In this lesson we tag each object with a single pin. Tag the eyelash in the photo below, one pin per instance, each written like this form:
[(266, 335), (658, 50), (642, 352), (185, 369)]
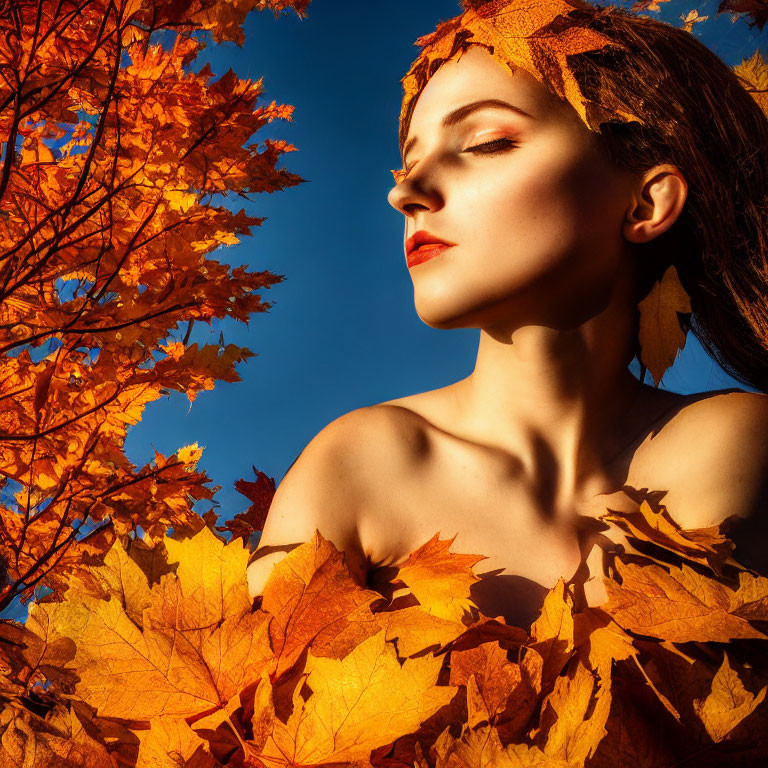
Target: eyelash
[(504, 143), (498, 145)]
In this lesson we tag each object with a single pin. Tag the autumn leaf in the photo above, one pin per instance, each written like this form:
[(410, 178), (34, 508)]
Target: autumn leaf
[(552, 633), (660, 334), (707, 546), (728, 703), (575, 715), (64, 739), (187, 657), (439, 579), (753, 73), (356, 704), (414, 630), (211, 575), (313, 599), (260, 493), (482, 748), (691, 18), (491, 680), (676, 604), (516, 34), (171, 743)]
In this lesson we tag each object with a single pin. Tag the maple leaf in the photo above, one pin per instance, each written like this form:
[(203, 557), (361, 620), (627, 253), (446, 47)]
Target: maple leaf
[(414, 630), (552, 633), (210, 575), (575, 715), (601, 641), (482, 748), (186, 658), (490, 679), (517, 34), (171, 743), (707, 546), (660, 334), (728, 703), (691, 18), (356, 704), (439, 579), (64, 739), (753, 73), (260, 493), (312, 598), (676, 604)]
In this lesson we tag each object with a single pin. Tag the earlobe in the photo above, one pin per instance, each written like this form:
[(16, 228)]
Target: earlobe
[(661, 195)]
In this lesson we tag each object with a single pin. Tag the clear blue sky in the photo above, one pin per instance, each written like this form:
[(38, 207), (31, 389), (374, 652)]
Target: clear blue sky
[(343, 332)]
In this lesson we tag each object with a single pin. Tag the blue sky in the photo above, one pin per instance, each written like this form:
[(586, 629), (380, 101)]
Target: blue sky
[(343, 332)]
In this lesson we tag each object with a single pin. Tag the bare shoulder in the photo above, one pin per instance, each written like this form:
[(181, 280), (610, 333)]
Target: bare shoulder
[(331, 482), (715, 449), (719, 421)]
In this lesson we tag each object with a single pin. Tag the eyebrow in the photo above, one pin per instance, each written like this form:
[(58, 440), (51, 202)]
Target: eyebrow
[(457, 115)]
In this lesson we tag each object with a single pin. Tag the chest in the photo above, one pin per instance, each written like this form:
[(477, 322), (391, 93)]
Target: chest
[(491, 508)]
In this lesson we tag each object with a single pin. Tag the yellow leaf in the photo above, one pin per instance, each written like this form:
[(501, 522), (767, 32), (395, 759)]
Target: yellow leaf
[(190, 454), (171, 743), (575, 715), (212, 574), (439, 579), (313, 599), (415, 630), (358, 703), (707, 546), (552, 632), (727, 704), (754, 75)]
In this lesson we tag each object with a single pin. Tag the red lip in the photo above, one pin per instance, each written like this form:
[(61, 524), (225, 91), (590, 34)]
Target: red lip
[(422, 246)]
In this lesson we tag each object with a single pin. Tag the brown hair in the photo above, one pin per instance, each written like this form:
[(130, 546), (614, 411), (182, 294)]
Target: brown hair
[(698, 116)]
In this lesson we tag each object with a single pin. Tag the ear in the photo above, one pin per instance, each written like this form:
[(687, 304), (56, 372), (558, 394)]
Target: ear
[(658, 201)]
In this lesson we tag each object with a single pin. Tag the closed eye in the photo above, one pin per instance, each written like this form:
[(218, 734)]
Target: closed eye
[(486, 148), (490, 147)]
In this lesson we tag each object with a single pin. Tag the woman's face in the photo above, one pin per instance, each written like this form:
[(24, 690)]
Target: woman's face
[(531, 206)]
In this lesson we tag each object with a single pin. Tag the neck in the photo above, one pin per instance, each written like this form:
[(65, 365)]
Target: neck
[(561, 401)]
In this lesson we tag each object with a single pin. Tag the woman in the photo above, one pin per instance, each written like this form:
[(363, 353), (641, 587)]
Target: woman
[(557, 162)]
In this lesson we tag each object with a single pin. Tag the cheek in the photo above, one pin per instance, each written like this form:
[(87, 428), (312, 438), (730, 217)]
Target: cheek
[(543, 204)]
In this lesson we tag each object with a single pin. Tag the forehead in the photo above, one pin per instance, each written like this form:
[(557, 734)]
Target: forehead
[(475, 76)]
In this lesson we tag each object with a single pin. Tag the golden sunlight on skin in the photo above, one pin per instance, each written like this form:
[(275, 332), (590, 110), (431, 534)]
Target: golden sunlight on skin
[(543, 263), (536, 217), (520, 458)]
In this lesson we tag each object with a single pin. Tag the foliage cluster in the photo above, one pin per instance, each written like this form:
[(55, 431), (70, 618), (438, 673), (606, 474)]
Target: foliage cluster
[(159, 658), (114, 154)]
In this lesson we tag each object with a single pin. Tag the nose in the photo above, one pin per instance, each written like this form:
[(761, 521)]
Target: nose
[(413, 194)]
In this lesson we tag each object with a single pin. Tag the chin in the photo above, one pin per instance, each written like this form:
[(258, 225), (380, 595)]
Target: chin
[(440, 312), (446, 315)]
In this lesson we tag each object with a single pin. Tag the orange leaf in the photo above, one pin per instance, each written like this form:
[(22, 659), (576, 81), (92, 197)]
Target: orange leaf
[(356, 704), (707, 546), (678, 604), (728, 703), (314, 600), (660, 334), (439, 579)]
